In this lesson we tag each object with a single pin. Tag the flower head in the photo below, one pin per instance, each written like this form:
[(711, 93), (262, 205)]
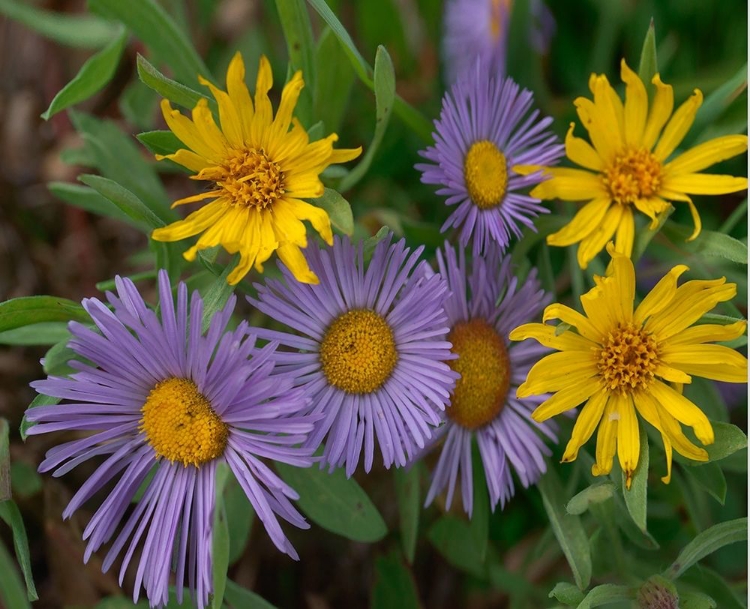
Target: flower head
[(627, 166), (617, 360), (483, 405), (260, 171), (482, 133), (370, 349), (160, 395)]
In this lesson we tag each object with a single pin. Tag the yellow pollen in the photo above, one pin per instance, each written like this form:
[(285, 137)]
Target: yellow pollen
[(486, 174), (628, 359), (634, 174), (484, 366), (251, 179), (180, 424), (358, 352)]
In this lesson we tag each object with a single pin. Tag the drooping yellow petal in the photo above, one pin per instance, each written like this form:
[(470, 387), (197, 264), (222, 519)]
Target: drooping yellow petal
[(706, 154), (628, 438), (583, 223), (581, 152), (595, 241), (678, 126), (661, 110), (653, 207), (315, 215), (636, 105), (660, 296), (585, 424), (705, 184), (213, 194), (292, 257), (287, 227), (606, 439), (189, 135), (548, 336), (683, 410)]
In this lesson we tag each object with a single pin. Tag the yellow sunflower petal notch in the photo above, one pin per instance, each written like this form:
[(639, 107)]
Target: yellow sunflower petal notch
[(259, 168), (627, 167), (618, 360)]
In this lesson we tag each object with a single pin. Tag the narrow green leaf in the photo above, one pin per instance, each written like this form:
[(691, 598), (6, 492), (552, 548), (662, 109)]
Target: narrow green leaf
[(452, 537), (93, 76), (82, 31), (717, 102), (217, 295), (169, 89), (55, 361), (39, 400), (160, 142), (5, 488), (710, 477), (295, 21), (157, 30), (335, 502), (408, 497), (708, 243), (240, 516), (10, 513), (648, 65), (45, 333), (11, 587), (636, 496), (644, 236), (596, 493), (696, 600), (240, 598), (28, 310), (338, 209), (220, 546), (25, 481), (710, 582), (334, 80), (479, 523), (707, 542), (385, 92), (394, 585), (88, 199), (605, 594), (125, 200), (566, 593), (567, 529), (138, 105)]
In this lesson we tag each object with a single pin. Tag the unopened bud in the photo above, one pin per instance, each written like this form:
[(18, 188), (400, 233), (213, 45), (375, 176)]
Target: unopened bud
[(658, 593)]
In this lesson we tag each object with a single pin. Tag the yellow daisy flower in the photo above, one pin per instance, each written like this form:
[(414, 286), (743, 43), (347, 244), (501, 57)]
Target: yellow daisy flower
[(619, 361), (627, 165), (260, 171)]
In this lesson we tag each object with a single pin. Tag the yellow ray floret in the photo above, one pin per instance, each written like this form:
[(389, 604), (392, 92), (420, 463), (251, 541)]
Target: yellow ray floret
[(259, 168), (619, 360), (627, 167)]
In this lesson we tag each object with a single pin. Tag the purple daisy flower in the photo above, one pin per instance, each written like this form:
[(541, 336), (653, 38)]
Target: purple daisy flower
[(483, 404), (371, 349), (484, 130), (162, 396)]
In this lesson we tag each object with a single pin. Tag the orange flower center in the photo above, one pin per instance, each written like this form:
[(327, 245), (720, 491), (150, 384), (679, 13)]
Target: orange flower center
[(634, 174), (484, 367), (486, 174), (628, 359), (251, 179)]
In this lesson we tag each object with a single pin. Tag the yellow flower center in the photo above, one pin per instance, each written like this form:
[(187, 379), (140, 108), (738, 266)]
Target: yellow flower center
[(252, 179), (634, 174), (496, 19), (628, 359), (484, 366), (358, 352), (486, 174), (181, 425)]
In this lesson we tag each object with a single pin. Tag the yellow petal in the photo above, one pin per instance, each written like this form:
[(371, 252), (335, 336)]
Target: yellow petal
[(636, 105), (706, 333), (292, 257), (547, 335), (606, 439), (564, 400), (609, 110), (595, 241), (653, 207), (671, 375), (186, 158), (683, 410), (239, 94), (188, 134), (585, 425), (289, 97), (342, 155), (287, 227), (628, 438), (583, 223), (705, 184), (207, 129), (304, 186), (678, 126), (570, 185), (706, 154), (660, 296), (263, 109), (315, 215), (625, 234), (314, 157), (213, 194), (559, 371), (604, 137), (715, 362), (228, 116), (572, 317), (581, 152), (661, 110), (195, 223)]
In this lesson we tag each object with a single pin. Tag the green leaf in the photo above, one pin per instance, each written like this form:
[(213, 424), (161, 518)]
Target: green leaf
[(28, 310), (696, 600), (10, 513), (220, 546), (710, 582), (82, 31), (25, 480), (93, 76), (156, 29), (125, 200), (138, 105), (707, 542), (710, 477), (240, 516), (295, 21), (385, 91), (479, 523), (394, 585), (715, 104), (11, 587), (88, 199), (5, 490), (596, 493), (240, 598), (636, 496), (334, 80), (566, 593), (606, 594), (728, 439), (335, 502), (39, 400), (45, 333), (452, 537), (169, 89), (567, 529), (408, 498), (338, 210), (648, 65), (55, 361), (217, 295), (160, 142), (708, 243), (644, 236)]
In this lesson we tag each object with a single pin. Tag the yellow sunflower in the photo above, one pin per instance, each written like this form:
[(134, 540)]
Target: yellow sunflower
[(260, 171), (627, 165), (620, 361)]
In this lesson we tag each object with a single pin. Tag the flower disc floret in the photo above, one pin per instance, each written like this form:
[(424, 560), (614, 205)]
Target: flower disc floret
[(486, 174), (628, 358), (252, 180), (633, 175)]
